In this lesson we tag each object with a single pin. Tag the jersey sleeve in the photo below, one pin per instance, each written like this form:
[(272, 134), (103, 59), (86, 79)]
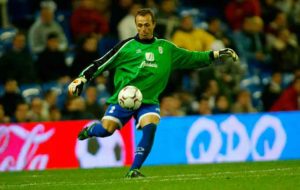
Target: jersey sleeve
[(185, 59), (107, 62)]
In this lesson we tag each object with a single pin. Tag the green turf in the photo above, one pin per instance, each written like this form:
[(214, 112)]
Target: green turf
[(279, 175)]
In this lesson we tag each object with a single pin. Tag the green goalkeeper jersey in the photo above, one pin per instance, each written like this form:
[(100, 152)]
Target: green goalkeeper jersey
[(146, 65)]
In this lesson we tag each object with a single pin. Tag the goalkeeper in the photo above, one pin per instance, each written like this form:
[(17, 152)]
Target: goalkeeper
[(145, 62)]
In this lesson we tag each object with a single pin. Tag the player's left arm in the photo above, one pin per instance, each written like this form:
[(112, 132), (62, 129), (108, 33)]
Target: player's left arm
[(183, 58)]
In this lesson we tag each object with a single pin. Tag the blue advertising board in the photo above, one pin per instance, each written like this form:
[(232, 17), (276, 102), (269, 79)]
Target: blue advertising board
[(226, 138)]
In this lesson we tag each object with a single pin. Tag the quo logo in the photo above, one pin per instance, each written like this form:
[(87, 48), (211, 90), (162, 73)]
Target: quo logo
[(247, 144)]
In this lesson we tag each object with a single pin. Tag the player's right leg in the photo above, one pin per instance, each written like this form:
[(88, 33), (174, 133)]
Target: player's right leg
[(114, 118), (103, 129)]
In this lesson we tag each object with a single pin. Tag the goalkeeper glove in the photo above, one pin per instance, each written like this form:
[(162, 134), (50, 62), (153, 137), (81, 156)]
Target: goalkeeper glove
[(76, 86), (225, 53)]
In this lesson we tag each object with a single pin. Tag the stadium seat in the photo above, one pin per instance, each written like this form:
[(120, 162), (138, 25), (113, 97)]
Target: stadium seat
[(29, 91), (6, 37)]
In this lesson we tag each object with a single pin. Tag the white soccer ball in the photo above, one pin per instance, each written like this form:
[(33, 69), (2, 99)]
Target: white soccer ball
[(130, 97)]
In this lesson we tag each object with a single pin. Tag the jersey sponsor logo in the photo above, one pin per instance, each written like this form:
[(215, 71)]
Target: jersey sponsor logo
[(150, 61), (138, 51), (147, 64)]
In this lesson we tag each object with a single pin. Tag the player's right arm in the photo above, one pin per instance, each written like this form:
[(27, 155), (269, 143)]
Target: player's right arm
[(107, 62)]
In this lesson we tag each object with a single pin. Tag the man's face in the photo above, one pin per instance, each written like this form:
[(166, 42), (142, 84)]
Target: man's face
[(145, 26), (19, 42), (47, 15)]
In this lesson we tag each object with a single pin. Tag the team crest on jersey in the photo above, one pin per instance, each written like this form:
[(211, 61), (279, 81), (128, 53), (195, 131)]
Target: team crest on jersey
[(149, 56), (160, 50), (149, 61)]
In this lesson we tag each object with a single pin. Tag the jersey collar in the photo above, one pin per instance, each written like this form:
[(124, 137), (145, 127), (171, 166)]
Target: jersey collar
[(150, 41)]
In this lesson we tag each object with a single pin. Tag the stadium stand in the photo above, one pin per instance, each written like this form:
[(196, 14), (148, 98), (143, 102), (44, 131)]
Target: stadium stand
[(252, 76)]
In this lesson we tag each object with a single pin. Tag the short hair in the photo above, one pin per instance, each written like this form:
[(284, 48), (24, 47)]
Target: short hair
[(48, 4), (144, 12)]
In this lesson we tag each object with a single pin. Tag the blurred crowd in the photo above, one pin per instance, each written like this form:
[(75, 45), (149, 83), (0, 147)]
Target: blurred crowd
[(44, 44)]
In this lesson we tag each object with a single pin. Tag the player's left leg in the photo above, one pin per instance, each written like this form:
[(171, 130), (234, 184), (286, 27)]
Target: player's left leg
[(147, 123)]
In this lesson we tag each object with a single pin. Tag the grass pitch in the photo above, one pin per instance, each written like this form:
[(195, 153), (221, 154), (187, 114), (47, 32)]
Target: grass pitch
[(257, 175)]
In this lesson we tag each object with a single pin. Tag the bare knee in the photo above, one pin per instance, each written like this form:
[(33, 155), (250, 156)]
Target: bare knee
[(149, 119), (110, 125)]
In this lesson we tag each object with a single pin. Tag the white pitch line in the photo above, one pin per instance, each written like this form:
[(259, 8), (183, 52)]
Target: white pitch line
[(179, 177), (227, 172)]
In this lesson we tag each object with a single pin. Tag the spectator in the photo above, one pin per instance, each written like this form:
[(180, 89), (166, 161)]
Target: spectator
[(289, 99), (211, 90), (17, 60), (87, 20), (152, 4), (103, 91), (92, 106), (21, 113), (279, 22), (229, 76), (272, 90), (85, 53), (3, 118), (222, 105), (43, 26), (51, 61), (204, 107), (285, 51), (11, 97), (103, 6), (294, 17), (76, 109), (167, 19), (188, 102), (54, 114), (286, 6), (243, 103), (251, 45), (36, 110), (127, 27), (50, 101), (215, 28), (191, 38), (237, 10), (170, 106), (269, 10), (119, 9)]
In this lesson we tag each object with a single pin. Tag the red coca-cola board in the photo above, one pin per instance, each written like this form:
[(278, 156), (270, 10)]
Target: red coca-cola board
[(45, 145)]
